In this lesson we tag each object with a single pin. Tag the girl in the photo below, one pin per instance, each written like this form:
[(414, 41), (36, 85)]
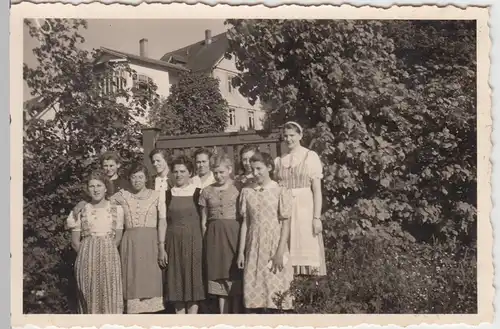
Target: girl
[(300, 170), (180, 241), (246, 176), (95, 235), (142, 277), (221, 229), (263, 251)]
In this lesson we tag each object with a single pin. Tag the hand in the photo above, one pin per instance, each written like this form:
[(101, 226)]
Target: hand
[(277, 264), (79, 207), (317, 226), (162, 257), (241, 261)]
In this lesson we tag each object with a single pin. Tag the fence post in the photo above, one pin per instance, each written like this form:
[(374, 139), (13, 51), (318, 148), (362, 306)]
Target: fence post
[(149, 137)]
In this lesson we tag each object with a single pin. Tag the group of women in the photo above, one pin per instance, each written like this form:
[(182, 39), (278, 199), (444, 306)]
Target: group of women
[(199, 231)]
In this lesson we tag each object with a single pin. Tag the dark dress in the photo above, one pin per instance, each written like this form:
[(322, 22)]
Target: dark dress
[(184, 243), (221, 240)]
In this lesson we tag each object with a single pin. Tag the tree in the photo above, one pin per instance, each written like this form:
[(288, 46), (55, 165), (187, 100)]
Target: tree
[(58, 152), (194, 106), (392, 119)]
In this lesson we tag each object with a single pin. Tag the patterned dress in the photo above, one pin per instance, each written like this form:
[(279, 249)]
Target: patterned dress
[(142, 276), (221, 240), (264, 208), (296, 172), (97, 266), (242, 181), (184, 245)]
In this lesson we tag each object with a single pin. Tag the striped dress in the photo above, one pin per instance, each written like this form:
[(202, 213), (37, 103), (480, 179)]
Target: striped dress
[(97, 266), (296, 172)]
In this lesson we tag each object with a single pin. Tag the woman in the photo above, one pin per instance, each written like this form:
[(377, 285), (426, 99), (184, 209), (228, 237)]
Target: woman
[(246, 177), (159, 158), (95, 234), (220, 225), (263, 247), (180, 241), (300, 170), (142, 277)]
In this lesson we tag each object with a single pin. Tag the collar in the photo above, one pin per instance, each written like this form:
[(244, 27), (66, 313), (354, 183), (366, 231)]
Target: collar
[(268, 186), (183, 191)]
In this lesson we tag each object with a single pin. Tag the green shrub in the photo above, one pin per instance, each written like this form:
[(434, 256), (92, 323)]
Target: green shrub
[(370, 275)]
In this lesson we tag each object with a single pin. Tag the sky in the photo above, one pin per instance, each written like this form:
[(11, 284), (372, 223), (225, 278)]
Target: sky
[(163, 35)]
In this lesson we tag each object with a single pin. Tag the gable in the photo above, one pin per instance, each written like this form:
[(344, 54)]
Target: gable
[(199, 56)]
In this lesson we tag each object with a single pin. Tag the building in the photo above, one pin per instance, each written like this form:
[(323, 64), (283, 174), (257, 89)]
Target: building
[(206, 56)]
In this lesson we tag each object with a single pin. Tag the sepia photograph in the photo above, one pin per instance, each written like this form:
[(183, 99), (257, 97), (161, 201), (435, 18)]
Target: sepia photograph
[(239, 166)]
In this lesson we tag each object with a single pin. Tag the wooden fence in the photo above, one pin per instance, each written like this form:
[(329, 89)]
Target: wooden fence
[(230, 143)]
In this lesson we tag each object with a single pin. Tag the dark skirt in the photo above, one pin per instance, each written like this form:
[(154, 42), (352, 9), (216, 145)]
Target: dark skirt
[(221, 245), (185, 282), (142, 276)]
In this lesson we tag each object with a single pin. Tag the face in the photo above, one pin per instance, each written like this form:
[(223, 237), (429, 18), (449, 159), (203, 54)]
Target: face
[(292, 138), (221, 174), (97, 189), (138, 180), (110, 167), (202, 164), (181, 175), (245, 160), (159, 163), (260, 171)]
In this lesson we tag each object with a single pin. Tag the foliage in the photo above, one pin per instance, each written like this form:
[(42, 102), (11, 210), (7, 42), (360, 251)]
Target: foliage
[(59, 151), (194, 106), (390, 108), (370, 275)]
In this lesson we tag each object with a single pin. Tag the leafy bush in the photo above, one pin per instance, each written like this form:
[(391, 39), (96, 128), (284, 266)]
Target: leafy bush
[(60, 151), (368, 275), (390, 108)]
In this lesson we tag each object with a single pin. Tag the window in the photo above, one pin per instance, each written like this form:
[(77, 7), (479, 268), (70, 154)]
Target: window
[(251, 120), (142, 81), (229, 85), (232, 117), (114, 82)]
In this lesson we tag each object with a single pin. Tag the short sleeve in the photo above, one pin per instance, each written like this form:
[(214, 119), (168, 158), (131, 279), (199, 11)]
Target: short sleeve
[(277, 162), (314, 166), (202, 201), (285, 204), (119, 218), (73, 222), (242, 204)]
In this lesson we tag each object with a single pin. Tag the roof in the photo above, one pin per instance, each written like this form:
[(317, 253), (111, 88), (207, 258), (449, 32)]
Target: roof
[(200, 56), (143, 59)]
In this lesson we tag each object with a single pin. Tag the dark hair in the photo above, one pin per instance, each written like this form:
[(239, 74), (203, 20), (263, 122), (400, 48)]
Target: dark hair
[(101, 176), (245, 149), (294, 126), (137, 167), (163, 152), (182, 160), (202, 151), (111, 155), (266, 159)]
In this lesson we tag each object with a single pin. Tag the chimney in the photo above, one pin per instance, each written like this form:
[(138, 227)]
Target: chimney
[(208, 37), (143, 47)]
